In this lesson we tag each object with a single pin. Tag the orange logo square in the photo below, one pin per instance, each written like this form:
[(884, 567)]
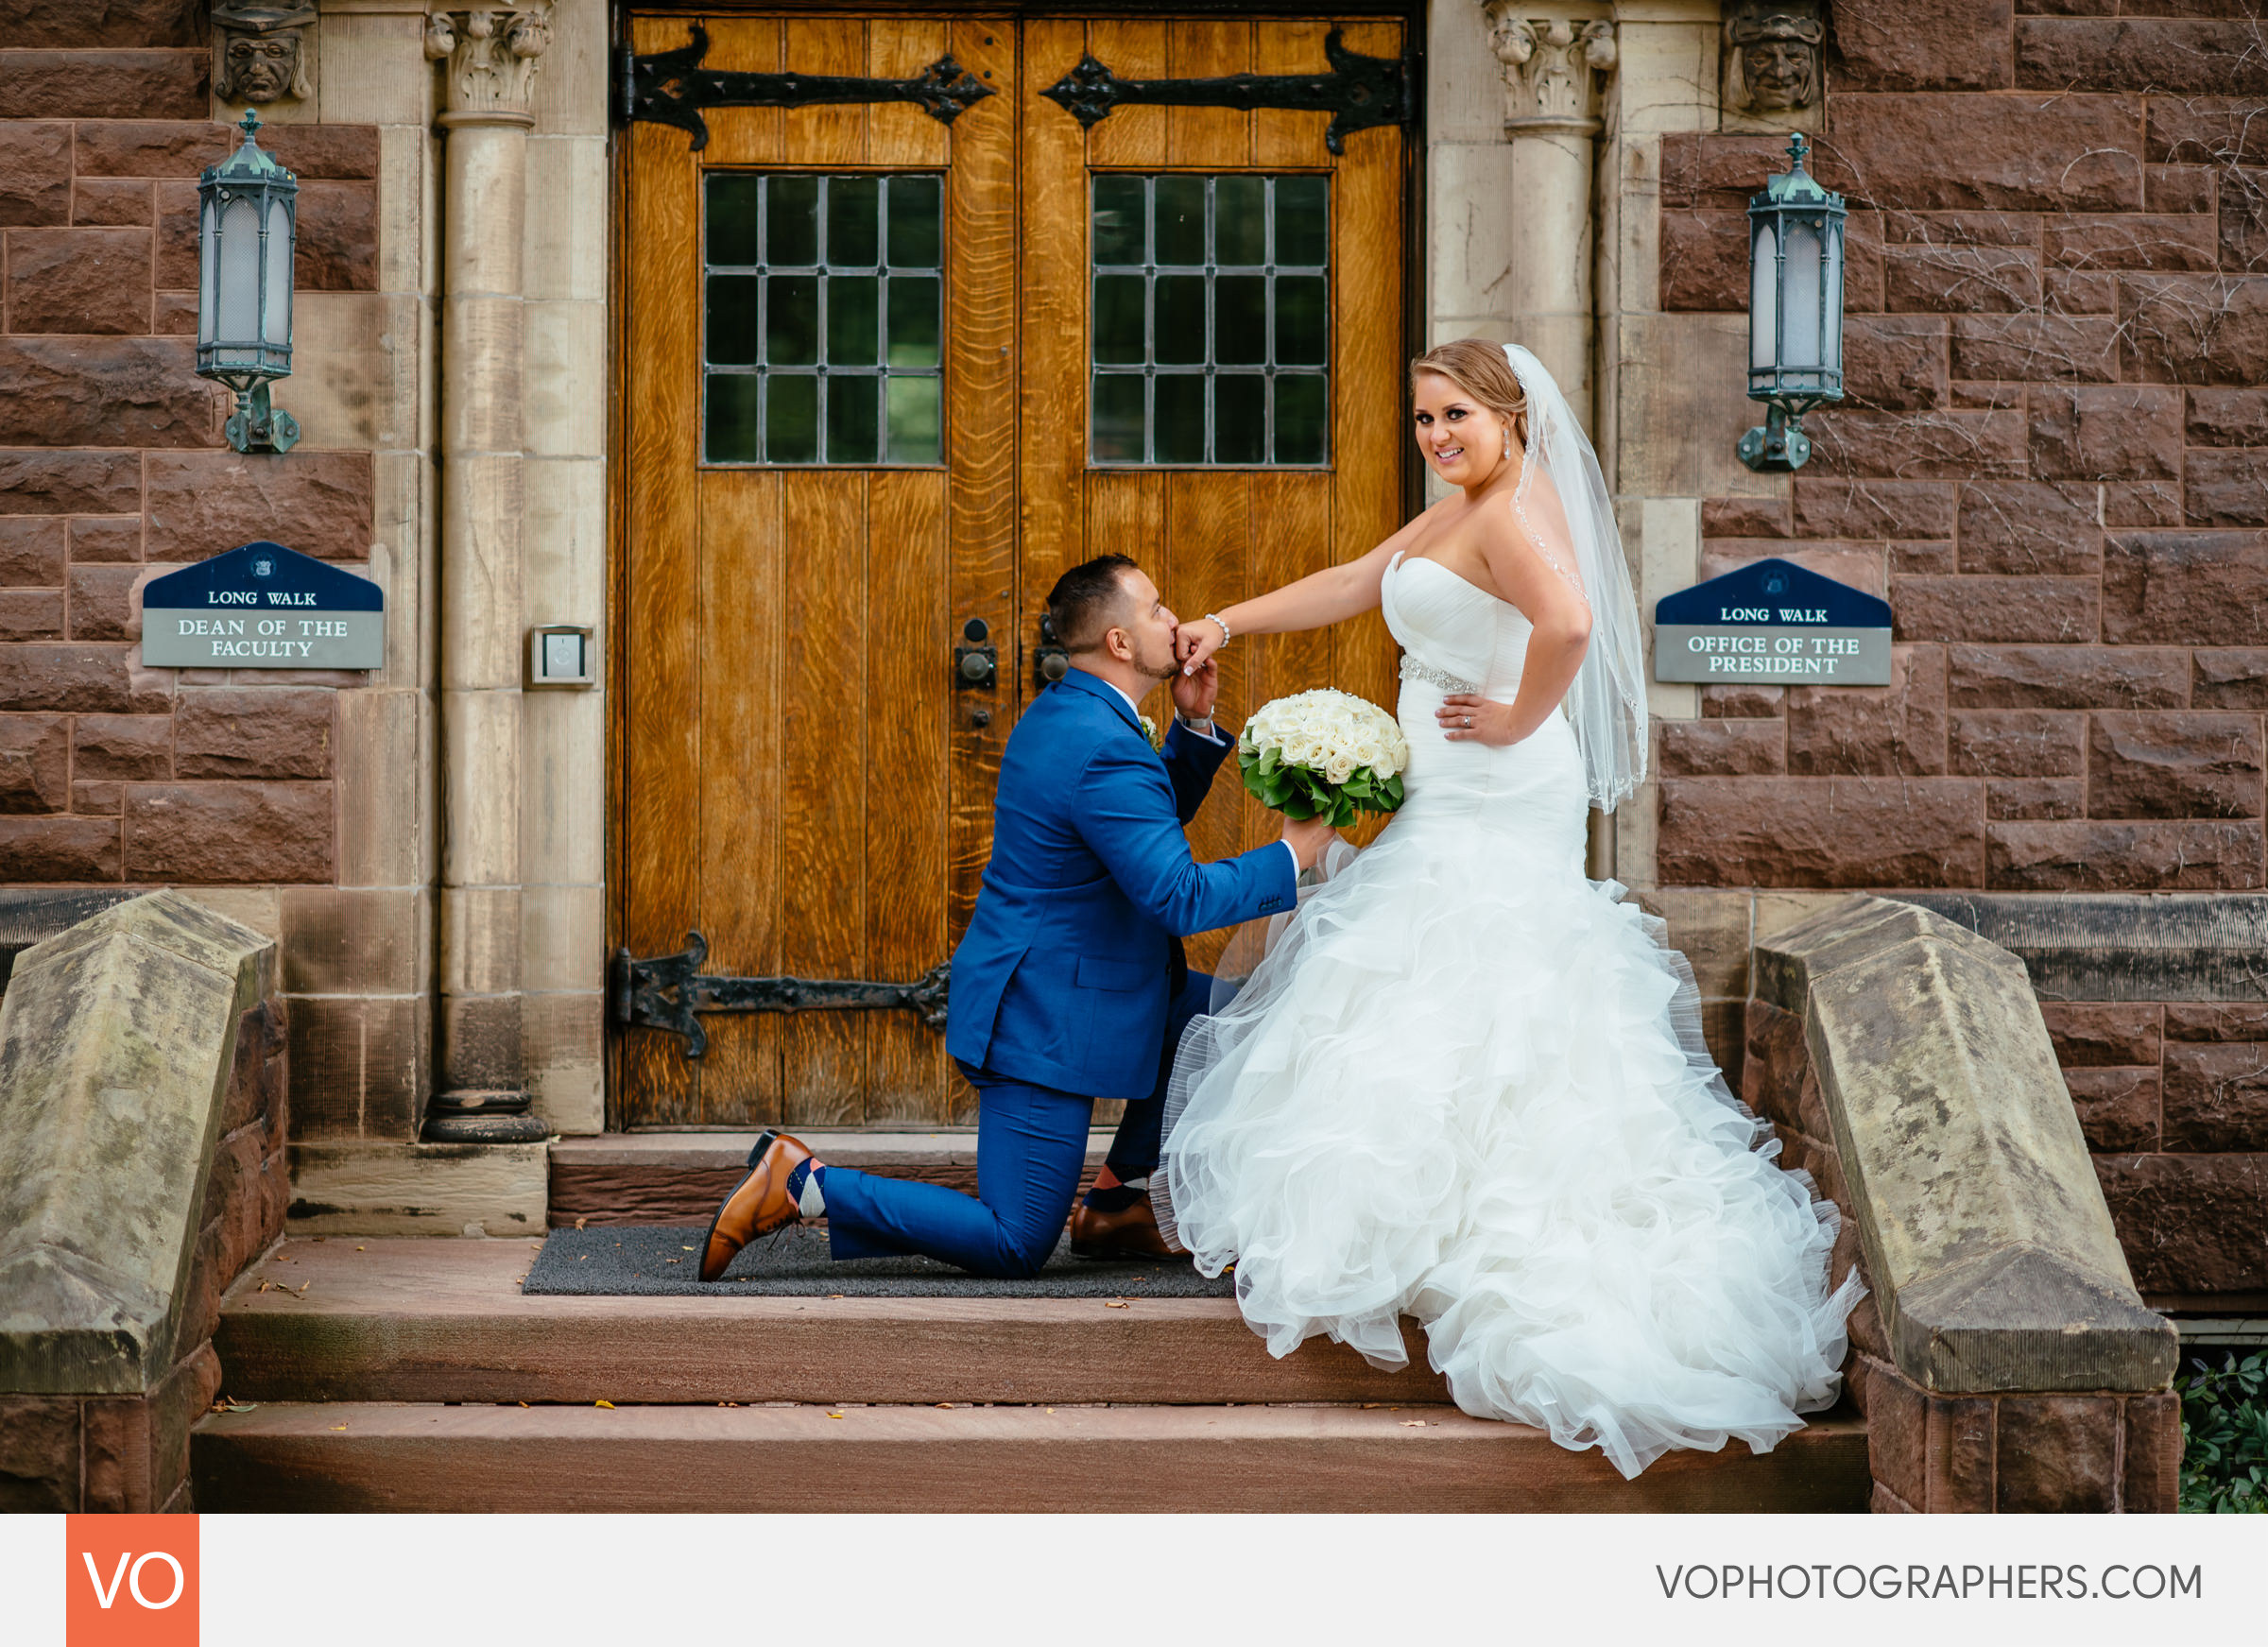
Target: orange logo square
[(130, 1580)]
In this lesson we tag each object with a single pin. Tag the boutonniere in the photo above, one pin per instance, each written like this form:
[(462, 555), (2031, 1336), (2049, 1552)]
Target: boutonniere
[(1149, 731)]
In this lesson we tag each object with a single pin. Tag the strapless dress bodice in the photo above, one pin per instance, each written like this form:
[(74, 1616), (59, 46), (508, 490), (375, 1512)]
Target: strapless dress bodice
[(1454, 634)]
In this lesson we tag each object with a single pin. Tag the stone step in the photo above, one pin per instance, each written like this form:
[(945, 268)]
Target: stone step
[(678, 1178), (369, 1456), (440, 1320)]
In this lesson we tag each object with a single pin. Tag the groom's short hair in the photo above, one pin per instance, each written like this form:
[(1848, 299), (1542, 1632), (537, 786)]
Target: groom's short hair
[(1086, 598)]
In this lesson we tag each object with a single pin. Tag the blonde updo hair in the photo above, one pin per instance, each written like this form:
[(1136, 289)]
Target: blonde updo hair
[(1479, 368)]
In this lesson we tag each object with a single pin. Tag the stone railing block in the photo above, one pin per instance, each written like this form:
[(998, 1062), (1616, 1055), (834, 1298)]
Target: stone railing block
[(1990, 1248), (117, 1041)]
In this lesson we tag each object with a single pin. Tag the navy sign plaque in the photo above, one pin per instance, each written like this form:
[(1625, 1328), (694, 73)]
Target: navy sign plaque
[(1772, 620), (263, 607)]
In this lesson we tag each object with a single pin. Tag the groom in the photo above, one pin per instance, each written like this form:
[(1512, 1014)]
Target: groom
[(1070, 983)]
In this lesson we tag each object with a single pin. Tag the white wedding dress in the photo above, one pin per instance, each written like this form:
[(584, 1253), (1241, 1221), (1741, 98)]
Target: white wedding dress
[(1468, 1084)]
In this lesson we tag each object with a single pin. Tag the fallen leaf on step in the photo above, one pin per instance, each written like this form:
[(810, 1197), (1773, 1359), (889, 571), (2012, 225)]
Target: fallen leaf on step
[(607, 1405), (361, 1249), (834, 1415), (304, 1285), (338, 1426), (524, 1403), (225, 1405), (1117, 1304), (580, 1222), (835, 1295), (684, 1249), (947, 1405), (1367, 1406), (672, 1261), (1413, 1423)]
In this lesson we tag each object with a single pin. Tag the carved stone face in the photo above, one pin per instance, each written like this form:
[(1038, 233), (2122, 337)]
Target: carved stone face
[(1778, 73), (262, 67)]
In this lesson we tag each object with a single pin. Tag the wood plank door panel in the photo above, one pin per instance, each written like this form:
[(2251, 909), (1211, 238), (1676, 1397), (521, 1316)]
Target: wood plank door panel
[(801, 781), (798, 776), (1211, 535)]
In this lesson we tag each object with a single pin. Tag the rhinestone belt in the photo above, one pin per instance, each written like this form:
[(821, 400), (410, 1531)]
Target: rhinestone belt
[(1412, 670)]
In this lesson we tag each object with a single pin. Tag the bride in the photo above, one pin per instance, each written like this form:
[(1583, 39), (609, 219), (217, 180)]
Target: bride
[(1467, 1084)]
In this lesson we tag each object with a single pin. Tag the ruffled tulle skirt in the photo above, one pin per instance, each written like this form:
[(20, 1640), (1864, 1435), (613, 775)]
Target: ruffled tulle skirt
[(1468, 1084)]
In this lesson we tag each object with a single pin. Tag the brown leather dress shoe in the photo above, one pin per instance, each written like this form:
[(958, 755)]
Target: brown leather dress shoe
[(758, 1205), (1131, 1233)]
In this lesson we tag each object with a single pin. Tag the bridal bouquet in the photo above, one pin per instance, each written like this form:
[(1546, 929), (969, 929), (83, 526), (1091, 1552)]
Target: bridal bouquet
[(1324, 754)]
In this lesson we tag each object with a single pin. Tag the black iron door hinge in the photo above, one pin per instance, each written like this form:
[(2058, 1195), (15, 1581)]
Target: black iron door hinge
[(670, 991), (673, 88), (1359, 91)]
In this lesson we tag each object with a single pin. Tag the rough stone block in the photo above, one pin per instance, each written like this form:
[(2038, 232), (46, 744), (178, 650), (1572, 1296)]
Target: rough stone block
[(1949, 445), (2191, 1222), (2142, 503), (78, 280), (2226, 488), (2193, 328), (1741, 703), (2057, 1454), (32, 551), (1709, 748), (175, 1407), (2035, 798), (35, 764), (1971, 606), (39, 1455), (2130, 240), (2209, 56), (2223, 416), (323, 503), (31, 614), (44, 849), (1872, 730), (2197, 1022), (117, 1039), (2017, 744), (1957, 1455), (106, 391), (228, 833), (2089, 1033), (2150, 1475), (117, 539), (2112, 856), (1747, 518), (2186, 188), (112, 202), (123, 747), (117, 1461), (2035, 345), (1922, 45), (2199, 588), (1895, 363), (1860, 565), (2066, 677), (78, 678), (103, 606), (2207, 131), (2079, 152), (106, 85), (2105, 431), (418, 1189), (1821, 831), (2028, 527), (2118, 1108), (1869, 509), (1774, 1062), (2182, 764), (173, 149), (2216, 1097), (1896, 1429), (1988, 1246), (256, 731), (70, 483), (1704, 261), (35, 174), (1954, 280)]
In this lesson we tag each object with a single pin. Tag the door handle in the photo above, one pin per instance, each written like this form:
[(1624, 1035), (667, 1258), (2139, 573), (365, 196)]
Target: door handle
[(974, 663), (1053, 658)]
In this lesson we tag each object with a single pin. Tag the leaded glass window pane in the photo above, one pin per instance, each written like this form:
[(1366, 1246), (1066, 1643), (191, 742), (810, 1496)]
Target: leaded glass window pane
[(1210, 321), (822, 318)]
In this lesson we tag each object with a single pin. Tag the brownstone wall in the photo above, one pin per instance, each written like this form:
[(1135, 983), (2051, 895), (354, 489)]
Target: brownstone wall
[(2053, 458), (112, 469)]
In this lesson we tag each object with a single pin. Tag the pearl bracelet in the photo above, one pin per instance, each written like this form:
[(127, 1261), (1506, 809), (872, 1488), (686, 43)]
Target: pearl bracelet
[(1215, 618)]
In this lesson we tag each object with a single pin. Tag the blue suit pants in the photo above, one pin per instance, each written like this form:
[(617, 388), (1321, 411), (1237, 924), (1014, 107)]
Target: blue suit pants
[(1031, 1149)]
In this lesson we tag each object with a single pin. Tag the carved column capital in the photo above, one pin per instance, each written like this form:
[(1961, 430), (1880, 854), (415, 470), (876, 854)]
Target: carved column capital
[(490, 53), (1554, 65)]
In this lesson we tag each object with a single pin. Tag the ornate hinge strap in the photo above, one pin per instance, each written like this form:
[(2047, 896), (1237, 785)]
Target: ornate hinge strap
[(669, 991), (1359, 91), (673, 88)]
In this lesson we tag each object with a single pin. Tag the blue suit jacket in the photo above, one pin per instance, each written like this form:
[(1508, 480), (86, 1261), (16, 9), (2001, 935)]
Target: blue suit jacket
[(1061, 978)]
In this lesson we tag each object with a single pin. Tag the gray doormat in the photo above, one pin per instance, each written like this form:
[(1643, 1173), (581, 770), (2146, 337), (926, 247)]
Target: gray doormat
[(664, 1260)]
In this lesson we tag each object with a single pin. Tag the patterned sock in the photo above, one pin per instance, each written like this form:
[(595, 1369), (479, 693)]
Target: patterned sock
[(808, 1185), (1112, 1193)]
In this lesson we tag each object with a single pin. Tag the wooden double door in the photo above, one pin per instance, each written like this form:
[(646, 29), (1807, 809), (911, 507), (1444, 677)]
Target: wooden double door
[(883, 378)]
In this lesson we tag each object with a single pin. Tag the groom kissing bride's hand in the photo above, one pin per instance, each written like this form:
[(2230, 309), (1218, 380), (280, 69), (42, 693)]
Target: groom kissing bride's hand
[(1070, 984)]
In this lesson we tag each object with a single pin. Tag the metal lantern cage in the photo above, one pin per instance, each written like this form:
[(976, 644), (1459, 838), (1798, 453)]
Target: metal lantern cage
[(1795, 311), (247, 221)]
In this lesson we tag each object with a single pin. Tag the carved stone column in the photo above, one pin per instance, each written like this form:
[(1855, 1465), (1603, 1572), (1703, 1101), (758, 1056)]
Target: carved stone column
[(488, 56), (1554, 60)]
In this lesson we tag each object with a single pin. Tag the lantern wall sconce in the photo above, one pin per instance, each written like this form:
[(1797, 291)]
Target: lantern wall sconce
[(247, 221), (1795, 311)]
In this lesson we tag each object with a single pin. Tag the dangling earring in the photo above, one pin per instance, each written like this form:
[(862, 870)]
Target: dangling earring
[(1507, 444)]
